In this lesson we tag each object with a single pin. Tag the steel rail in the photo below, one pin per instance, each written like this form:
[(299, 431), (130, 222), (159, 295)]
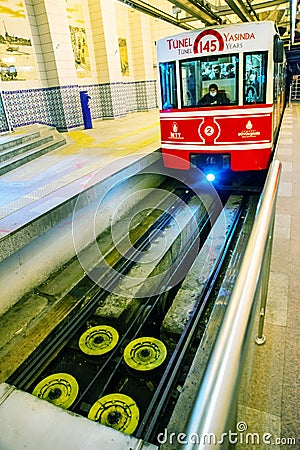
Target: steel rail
[(217, 394)]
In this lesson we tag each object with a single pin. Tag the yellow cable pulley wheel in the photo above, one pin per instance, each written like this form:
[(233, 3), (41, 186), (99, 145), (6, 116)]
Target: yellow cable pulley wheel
[(61, 389), (145, 353), (117, 411), (97, 341)]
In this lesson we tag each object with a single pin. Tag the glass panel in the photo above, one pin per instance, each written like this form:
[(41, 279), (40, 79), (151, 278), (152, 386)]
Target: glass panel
[(168, 85), (276, 84), (255, 81), (197, 75), (190, 81)]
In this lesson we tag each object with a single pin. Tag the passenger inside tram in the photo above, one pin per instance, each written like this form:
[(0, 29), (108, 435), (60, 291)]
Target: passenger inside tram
[(214, 97), (251, 95)]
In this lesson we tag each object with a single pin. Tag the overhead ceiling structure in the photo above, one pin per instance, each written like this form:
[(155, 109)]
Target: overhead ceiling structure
[(192, 14)]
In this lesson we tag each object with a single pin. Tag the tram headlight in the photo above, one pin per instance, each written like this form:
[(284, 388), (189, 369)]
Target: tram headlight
[(210, 177)]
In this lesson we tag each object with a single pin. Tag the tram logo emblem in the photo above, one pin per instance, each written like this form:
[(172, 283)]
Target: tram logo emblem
[(249, 132), (208, 41), (175, 134)]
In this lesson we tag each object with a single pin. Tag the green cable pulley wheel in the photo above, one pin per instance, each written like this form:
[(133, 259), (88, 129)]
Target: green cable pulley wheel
[(145, 353), (61, 389), (97, 341), (118, 411)]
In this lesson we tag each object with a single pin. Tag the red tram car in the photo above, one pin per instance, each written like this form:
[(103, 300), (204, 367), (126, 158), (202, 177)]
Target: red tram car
[(222, 97)]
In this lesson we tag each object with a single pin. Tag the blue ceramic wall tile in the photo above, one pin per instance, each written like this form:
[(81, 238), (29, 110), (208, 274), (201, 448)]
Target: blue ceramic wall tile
[(60, 106)]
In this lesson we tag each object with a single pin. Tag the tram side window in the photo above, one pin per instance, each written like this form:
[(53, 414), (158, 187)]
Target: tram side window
[(190, 82), (255, 80), (168, 85)]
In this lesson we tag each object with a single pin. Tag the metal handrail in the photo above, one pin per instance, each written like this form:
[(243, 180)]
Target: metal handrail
[(216, 398)]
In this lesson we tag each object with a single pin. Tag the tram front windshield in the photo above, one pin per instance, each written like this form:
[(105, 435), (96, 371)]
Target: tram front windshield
[(198, 74)]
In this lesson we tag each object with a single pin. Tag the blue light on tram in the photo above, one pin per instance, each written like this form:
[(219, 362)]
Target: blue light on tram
[(210, 177)]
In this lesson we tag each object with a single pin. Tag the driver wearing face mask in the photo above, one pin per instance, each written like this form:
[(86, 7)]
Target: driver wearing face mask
[(213, 97)]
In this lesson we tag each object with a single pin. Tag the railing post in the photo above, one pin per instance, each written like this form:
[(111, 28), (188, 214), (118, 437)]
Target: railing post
[(264, 283)]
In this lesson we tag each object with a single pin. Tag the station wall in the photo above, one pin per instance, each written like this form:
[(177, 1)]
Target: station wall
[(51, 50)]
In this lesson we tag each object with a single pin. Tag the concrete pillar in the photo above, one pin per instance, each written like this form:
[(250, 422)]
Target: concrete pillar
[(58, 61), (142, 57), (141, 45), (53, 27), (105, 38), (107, 57)]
